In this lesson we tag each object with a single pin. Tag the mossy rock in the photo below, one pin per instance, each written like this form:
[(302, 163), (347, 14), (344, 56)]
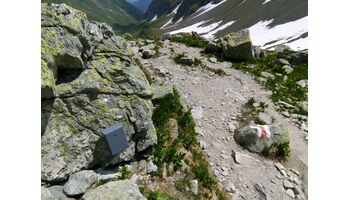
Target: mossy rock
[(89, 82)]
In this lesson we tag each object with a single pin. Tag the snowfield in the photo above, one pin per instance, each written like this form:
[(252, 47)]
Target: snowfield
[(154, 18), (175, 10), (211, 34), (266, 1), (261, 33), (197, 28), (206, 8)]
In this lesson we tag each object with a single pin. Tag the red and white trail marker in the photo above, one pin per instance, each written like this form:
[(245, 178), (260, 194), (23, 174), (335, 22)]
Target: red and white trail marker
[(263, 131)]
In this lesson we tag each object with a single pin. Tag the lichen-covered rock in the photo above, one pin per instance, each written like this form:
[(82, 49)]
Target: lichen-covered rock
[(237, 46), (89, 82), (80, 182), (253, 139), (53, 193), (162, 91), (117, 190)]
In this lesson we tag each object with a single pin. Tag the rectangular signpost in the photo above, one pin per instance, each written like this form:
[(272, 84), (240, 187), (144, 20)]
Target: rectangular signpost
[(115, 138)]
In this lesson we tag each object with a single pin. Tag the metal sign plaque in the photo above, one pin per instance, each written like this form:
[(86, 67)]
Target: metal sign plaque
[(115, 138)]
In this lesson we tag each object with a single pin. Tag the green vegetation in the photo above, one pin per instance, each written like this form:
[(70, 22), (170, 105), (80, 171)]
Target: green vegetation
[(167, 149), (154, 195), (148, 76), (251, 101), (283, 86), (189, 40), (182, 184), (126, 174), (280, 152)]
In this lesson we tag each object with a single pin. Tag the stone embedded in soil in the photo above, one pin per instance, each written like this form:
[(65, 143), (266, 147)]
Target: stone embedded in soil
[(290, 193), (287, 184)]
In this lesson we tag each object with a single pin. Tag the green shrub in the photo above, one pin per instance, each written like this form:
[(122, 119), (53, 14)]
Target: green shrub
[(189, 41), (280, 152)]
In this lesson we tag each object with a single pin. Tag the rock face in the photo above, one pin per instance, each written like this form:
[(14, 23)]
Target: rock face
[(237, 46), (80, 182), (53, 193), (89, 82), (248, 137), (117, 190)]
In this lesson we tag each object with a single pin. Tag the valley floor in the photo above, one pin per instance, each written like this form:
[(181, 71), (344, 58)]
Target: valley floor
[(218, 102)]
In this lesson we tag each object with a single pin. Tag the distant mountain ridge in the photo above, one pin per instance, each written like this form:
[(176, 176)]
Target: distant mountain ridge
[(141, 4), (271, 22), (112, 12)]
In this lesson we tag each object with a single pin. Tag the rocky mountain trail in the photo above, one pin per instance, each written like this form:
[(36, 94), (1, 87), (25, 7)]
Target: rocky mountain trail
[(216, 103), (180, 108)]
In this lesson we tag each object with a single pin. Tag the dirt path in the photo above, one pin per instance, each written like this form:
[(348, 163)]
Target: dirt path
[(221, 99)]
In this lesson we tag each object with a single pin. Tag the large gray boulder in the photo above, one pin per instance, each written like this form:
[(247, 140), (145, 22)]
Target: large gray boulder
[(237, 46), (89, 82), (80, 182), (213, 47), (53, 193), (250, 138), (117, 190)]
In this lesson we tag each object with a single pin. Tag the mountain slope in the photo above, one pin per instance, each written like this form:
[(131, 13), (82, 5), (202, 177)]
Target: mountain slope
[(271, 22), (141, 4), (112, 12)]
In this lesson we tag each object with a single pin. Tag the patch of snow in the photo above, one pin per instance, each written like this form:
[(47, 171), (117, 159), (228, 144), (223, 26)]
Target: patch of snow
[(197, 28), (299, 44), (207, 8), (154, 18), (179, 20), (166, 24), (261, 33), (175, 10), (211, 34), (266, 1), (241, 3)]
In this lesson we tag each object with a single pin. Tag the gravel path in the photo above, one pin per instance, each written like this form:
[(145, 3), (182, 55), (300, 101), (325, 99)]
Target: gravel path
[(221, 99)]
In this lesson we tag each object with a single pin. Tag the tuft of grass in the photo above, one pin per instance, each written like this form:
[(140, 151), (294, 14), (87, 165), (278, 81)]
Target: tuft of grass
[(280, 152), (126, 174), (251, 102), (259, 121), (263, 105), (182, 184), (155, 195)]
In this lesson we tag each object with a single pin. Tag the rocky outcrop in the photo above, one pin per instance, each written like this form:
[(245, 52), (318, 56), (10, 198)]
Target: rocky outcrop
[(89, 82), (237, 46), (117, 190), (80, 182), (256, 140), (53, 193)]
